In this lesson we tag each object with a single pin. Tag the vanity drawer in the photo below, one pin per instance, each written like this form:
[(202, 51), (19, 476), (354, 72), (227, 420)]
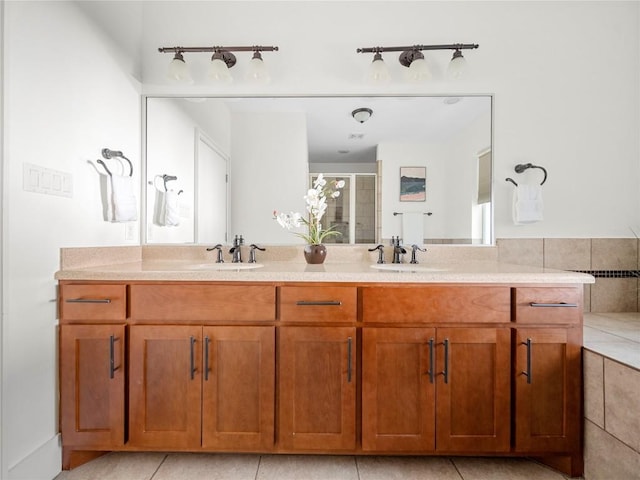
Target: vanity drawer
[(93, 302), (326, 304), (201, 303), (434, 304), (548, 305)]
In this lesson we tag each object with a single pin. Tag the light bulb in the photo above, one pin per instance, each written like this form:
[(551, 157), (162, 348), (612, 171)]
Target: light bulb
[(218, 70), (178, 70), (378, 70), (457, 66), (257, 71), (419, 70)]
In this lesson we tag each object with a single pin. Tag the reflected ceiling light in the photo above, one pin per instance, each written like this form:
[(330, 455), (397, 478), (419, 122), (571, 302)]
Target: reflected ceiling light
[(362, 114), (413, 58), (221, 61)]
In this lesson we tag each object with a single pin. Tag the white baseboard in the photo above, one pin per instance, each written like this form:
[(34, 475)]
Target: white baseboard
[(44, 463)]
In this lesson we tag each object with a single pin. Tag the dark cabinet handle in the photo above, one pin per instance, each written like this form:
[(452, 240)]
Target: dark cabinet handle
[(527, 373), (445, 372), (192, 357), (431, 371), (112, 359), (206, 358), (546, 305), (327, 303), (349, 360), (88, 300)]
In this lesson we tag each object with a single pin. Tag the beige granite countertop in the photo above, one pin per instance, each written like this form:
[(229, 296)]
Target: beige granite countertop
[(285, 264)]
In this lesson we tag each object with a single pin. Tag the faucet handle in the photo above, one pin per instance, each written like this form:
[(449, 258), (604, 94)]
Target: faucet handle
[(380, 249), (414, 249), (218, 247), (252, 252)]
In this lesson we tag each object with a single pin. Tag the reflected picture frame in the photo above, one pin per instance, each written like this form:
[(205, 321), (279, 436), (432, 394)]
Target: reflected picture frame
[(413, 184)]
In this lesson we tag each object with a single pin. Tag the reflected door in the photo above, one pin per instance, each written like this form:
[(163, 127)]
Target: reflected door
[(211, 190)]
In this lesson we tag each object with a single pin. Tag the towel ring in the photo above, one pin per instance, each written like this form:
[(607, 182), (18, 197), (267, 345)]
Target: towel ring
[(521, 167), (107, 154), (167, 178)]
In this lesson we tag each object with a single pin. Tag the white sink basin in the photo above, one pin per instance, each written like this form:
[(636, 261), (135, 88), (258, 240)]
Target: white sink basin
[(405, 267), (226, 266)]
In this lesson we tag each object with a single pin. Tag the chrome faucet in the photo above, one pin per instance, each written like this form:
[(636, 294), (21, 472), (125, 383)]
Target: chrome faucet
[(380, 249), (236, 250), (414, 249), (252, 252), (218, 247), (397, 249)]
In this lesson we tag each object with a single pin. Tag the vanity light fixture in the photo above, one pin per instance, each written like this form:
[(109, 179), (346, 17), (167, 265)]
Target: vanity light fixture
[(362, 114), (221, 61), (413, 58)]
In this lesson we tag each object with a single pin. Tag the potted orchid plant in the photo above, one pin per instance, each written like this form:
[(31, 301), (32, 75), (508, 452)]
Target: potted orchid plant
[(316, 199)]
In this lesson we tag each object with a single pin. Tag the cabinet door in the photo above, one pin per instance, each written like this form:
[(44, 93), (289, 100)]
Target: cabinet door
[(165, 386), (317, 385), (238, 388), (92, 385), (398, 389), (473, 389), (548, 389)]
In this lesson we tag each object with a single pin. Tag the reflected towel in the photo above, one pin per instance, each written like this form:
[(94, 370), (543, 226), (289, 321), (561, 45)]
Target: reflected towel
[(171, 208), (125, 207), (527, 204), (413, 228)]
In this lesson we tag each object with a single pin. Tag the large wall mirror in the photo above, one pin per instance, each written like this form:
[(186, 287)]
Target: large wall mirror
[(217, 167)]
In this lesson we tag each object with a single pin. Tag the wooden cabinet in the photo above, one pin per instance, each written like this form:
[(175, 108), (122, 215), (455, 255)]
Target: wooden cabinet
[(473, 391), (426, 389), (317, 388), (165, 386), (344, 368), (238, 394), (195, 386), (92, 385), (548, 389), (398, 389)]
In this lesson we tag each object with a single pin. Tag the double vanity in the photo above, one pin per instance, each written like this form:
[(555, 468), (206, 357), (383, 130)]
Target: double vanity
[(161, 349)]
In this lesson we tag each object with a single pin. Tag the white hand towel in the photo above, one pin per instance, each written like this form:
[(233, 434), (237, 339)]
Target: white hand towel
[(171, 208), (124, 201), (413, 228), (527, 204)]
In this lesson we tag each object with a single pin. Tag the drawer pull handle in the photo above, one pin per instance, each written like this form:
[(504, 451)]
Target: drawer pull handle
[(349, 360), (445, 372), (88, 300), (206, 358), (430, 372), (561, 304), (192, 357), (112, 355), (328, 303), (527, 373)]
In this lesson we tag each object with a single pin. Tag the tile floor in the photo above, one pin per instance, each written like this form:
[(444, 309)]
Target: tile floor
[(615, 335), (205, 466)]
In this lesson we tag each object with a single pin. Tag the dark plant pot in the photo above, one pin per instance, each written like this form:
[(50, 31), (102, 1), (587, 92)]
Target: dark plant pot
[(315, 254)]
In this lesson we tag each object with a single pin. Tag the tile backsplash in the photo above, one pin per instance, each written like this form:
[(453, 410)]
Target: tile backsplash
[(614, 291)]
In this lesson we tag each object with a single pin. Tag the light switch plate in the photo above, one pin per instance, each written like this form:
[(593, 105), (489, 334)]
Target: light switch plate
[(45, 180)]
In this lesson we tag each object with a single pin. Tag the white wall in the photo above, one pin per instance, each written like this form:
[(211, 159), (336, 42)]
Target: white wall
[(268, 171), (170, 151), (66, 98), (451, 168), (565, 77)]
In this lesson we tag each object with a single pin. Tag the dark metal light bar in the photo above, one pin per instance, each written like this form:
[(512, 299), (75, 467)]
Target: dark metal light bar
[(450, 46)]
